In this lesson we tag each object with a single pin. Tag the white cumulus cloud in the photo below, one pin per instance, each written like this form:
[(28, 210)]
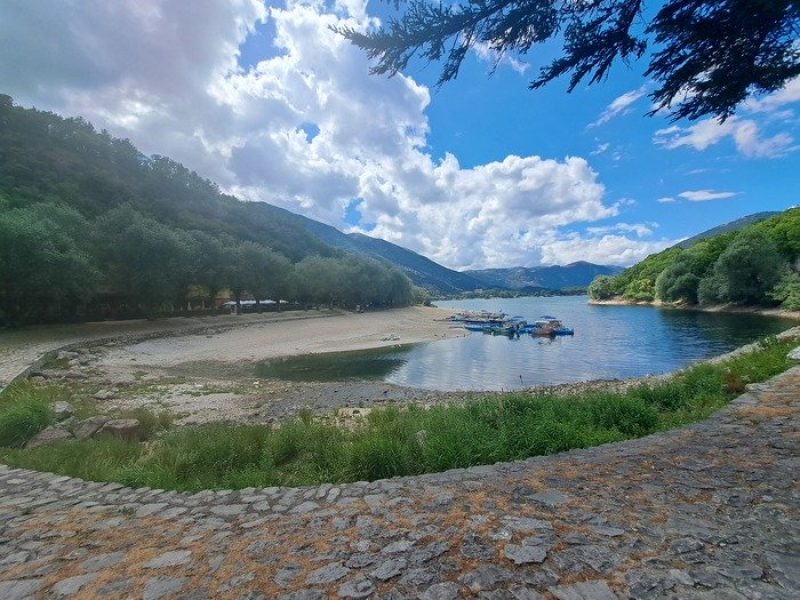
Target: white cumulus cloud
[(306, 127)]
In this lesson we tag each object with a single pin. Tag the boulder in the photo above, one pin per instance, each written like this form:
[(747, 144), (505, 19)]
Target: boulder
[(89, 427), (126, 429), (48, 435), (104, 395), (62, 410)]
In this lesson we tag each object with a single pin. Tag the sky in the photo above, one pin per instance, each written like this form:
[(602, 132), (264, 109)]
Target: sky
[(268, 102)]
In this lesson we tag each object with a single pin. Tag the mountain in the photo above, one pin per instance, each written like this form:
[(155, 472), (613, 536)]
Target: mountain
[(422, 271), (727, 227), (577, 274)]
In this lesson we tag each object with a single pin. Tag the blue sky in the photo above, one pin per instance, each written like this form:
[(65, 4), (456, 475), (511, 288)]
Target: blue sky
[(265, 100)]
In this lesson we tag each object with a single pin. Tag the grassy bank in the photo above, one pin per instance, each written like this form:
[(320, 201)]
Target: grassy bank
[(389, 442)]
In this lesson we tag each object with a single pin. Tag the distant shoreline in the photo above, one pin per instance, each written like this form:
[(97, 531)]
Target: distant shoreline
[(724, 308)]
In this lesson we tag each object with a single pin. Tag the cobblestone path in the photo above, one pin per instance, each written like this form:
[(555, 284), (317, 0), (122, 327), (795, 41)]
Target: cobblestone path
[(709, 511)]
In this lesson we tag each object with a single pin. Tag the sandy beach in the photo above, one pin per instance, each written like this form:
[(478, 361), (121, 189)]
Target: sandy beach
[(296, 334), (203, 370)]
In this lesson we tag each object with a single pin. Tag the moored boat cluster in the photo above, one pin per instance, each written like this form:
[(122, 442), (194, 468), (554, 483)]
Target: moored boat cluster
[(499, 323)]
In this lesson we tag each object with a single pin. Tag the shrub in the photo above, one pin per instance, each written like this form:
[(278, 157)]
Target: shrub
[(23, 414)]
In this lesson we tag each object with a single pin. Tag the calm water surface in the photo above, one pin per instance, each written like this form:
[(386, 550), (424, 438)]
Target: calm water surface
[(609, 342)]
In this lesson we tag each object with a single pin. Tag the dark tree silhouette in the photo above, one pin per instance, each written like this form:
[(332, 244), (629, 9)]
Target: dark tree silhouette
[(707, 55)]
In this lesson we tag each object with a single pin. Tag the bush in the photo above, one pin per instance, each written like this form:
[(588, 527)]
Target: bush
[(23, 414)]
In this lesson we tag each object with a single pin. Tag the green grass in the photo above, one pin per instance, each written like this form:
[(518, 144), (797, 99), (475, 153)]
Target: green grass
[(392, 442)]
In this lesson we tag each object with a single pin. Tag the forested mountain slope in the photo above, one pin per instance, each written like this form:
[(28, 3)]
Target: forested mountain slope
[(758, 264), (89, 226)]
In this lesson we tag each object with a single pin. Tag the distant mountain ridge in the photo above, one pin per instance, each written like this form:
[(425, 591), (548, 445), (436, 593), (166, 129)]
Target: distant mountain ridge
[(577, 274), (727, 227), (421, 270)]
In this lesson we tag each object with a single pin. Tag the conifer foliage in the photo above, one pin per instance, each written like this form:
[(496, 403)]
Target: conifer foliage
[(706, 56)]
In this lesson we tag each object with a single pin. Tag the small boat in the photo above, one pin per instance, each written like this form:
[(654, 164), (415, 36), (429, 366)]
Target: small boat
[(547, 325)]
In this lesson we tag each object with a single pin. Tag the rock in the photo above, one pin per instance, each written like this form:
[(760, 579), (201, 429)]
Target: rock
[(390, 568), (103, 395), (358, 588), (170, 559), (126, 429), (159, 587), (62, 410), (442, 591), (89, 427), (522, 555), (49, 435), (72, 585), (794, 354), (327, 574), (587, 590)]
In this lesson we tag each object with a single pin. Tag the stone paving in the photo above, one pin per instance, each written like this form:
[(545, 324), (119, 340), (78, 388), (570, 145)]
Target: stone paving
[(709, 511)]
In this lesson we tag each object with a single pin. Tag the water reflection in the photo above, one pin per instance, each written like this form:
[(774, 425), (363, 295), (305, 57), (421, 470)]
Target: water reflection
[(610, 342)]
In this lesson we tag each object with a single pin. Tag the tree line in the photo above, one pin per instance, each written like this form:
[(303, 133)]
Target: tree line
[(57, 265), (90, 226), (756, 265)]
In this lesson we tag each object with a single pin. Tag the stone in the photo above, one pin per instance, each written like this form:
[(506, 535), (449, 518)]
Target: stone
[(304, 508), (398, 547), (389, 569), (550, 498), (441, 591), (523, 555), (170, 559), (607, 531), (358, 588), (102, 561), (48, 435), (586, 590), (526, 524), (89, 427), (72, 585), (794, 354), (126, 429), (62, 410), (486, 577), (327, 574), (158, 587), (19, 589), (103, 395)]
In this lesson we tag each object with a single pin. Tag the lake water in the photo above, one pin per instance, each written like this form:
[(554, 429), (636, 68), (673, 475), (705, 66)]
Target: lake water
[(610, 342)]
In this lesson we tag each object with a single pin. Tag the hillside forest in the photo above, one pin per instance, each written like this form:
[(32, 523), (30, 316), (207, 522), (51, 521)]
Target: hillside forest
[(758, 264), (92, 228)]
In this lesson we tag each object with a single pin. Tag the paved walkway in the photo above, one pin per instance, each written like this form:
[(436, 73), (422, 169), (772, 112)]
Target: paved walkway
[(709, 511)]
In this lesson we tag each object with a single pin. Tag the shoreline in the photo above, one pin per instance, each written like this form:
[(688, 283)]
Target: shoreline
[(723, 308)]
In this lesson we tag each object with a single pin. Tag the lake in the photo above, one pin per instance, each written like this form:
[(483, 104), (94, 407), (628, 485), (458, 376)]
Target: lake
[(610, 342)]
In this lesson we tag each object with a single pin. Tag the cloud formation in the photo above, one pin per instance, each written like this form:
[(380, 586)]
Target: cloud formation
[(305, 128), (744, 132), (619, 106), (705, 195)]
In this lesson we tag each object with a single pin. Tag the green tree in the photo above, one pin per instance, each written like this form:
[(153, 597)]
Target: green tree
[(678, 282), (601, 288), (745, 272), (640, 290), (209, 264), (721, 51), (44, 273), (787, 291), (141, 258)]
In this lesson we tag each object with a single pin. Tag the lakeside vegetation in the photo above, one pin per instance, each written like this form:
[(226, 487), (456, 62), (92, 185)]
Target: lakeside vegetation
[(388, 442), (757, 265), (90, 228)]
